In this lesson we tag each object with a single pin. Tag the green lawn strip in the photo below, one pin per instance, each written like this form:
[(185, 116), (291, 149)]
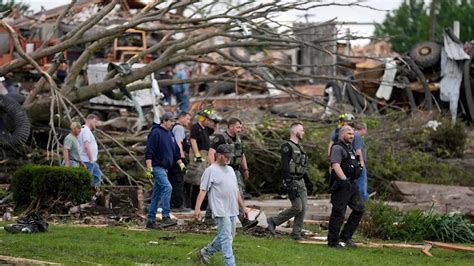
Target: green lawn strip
[(115, 245)]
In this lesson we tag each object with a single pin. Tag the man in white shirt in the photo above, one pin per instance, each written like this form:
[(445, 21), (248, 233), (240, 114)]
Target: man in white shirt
[(89, 149), (224, 197)]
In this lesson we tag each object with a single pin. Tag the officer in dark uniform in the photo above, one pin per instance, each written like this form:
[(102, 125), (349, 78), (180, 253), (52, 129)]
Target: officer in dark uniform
[(344, 190), (238, 162), (293, 159)]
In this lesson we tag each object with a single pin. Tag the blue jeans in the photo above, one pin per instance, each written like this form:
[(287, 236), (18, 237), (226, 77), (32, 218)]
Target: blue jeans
[(223, 240), (362, 183), (161, 191), (182, 101), (94, 169)]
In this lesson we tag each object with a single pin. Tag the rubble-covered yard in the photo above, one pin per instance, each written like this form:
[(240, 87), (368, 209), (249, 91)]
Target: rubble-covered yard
[(68, 244)]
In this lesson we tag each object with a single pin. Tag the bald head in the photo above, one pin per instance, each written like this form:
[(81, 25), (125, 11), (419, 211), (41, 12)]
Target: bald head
[(346, 134)]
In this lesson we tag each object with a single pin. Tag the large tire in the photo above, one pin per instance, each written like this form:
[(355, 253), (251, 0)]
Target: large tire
[(16, 122), (426, 54)]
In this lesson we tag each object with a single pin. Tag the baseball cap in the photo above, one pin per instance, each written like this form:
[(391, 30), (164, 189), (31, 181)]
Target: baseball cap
[(225, 150)]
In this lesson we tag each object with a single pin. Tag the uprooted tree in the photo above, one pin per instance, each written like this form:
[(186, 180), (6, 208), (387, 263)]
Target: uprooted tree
[(191, 31), (207, 31)]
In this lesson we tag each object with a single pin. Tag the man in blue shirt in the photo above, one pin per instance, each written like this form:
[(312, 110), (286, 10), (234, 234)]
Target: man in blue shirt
[(181, 91), (359, 146), (161, 154)]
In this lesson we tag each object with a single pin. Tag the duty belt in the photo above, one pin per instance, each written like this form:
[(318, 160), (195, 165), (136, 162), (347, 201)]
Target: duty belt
[(295, 177)]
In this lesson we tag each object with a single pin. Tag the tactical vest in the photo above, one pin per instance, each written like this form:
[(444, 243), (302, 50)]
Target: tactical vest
[(236, 148), (298, 160), (350, 165)]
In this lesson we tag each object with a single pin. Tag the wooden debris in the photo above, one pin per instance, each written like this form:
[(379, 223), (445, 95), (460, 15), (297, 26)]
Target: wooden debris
[(369, 245), (429, 244), (16, 261)]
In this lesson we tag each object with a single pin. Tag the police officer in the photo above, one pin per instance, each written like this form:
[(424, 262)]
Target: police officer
[(344, 190), (343, 120), (293, 159), (238, 162)]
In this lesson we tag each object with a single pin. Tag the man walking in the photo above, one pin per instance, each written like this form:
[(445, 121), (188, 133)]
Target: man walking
[(293, 160), (161, 154), (220, 181), (71, 155), (238, 162), (344, 190), (176, 176), (89, 149), (359, 146), (198, 158)]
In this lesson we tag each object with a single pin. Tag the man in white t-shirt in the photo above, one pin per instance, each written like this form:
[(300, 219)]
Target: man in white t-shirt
[(224, 197), (89, 149)]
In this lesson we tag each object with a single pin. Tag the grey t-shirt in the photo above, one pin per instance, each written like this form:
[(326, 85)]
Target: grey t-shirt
[(179, 133), (71, 144), (221, 184)]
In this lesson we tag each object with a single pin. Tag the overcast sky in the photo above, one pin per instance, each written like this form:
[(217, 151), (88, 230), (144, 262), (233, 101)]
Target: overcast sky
[(346, 14)]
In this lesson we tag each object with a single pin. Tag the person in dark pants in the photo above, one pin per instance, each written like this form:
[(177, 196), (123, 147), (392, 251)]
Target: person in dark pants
[(161, 154), (175, 175), (344, 190), (293, 160), (198, 161), (239, 163)]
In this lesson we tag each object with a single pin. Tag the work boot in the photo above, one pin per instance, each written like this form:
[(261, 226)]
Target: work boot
[(271, 226), (152, 225), (246, 224), (349, 243), (167, 222), (297, 237), (203, 257)]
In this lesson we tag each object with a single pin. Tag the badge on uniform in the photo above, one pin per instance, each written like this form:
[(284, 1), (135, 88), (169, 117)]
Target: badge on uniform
[(286, 149)]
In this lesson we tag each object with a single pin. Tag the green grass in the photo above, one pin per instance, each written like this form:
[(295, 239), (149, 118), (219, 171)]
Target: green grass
[(119, 246)]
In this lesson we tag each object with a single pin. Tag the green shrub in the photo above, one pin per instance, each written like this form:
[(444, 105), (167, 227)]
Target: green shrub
[(379, 220), (445, 142), (40, 184), (385, 222)]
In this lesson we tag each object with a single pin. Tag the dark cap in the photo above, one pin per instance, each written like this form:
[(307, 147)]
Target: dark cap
[(167, 116), (225, 150)]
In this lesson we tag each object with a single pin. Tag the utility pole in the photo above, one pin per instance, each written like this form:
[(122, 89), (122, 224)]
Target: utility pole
[(433, 20)]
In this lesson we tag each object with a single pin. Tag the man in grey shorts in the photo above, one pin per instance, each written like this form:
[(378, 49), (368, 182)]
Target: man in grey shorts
[(71, 155), (224, 197)]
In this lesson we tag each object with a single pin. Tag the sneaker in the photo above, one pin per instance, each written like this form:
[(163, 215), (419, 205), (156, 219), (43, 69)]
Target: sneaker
[(349, 243), (203, 257), (271, 226), (336, 246), (246, 224), (167, 222), (152, 225)]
